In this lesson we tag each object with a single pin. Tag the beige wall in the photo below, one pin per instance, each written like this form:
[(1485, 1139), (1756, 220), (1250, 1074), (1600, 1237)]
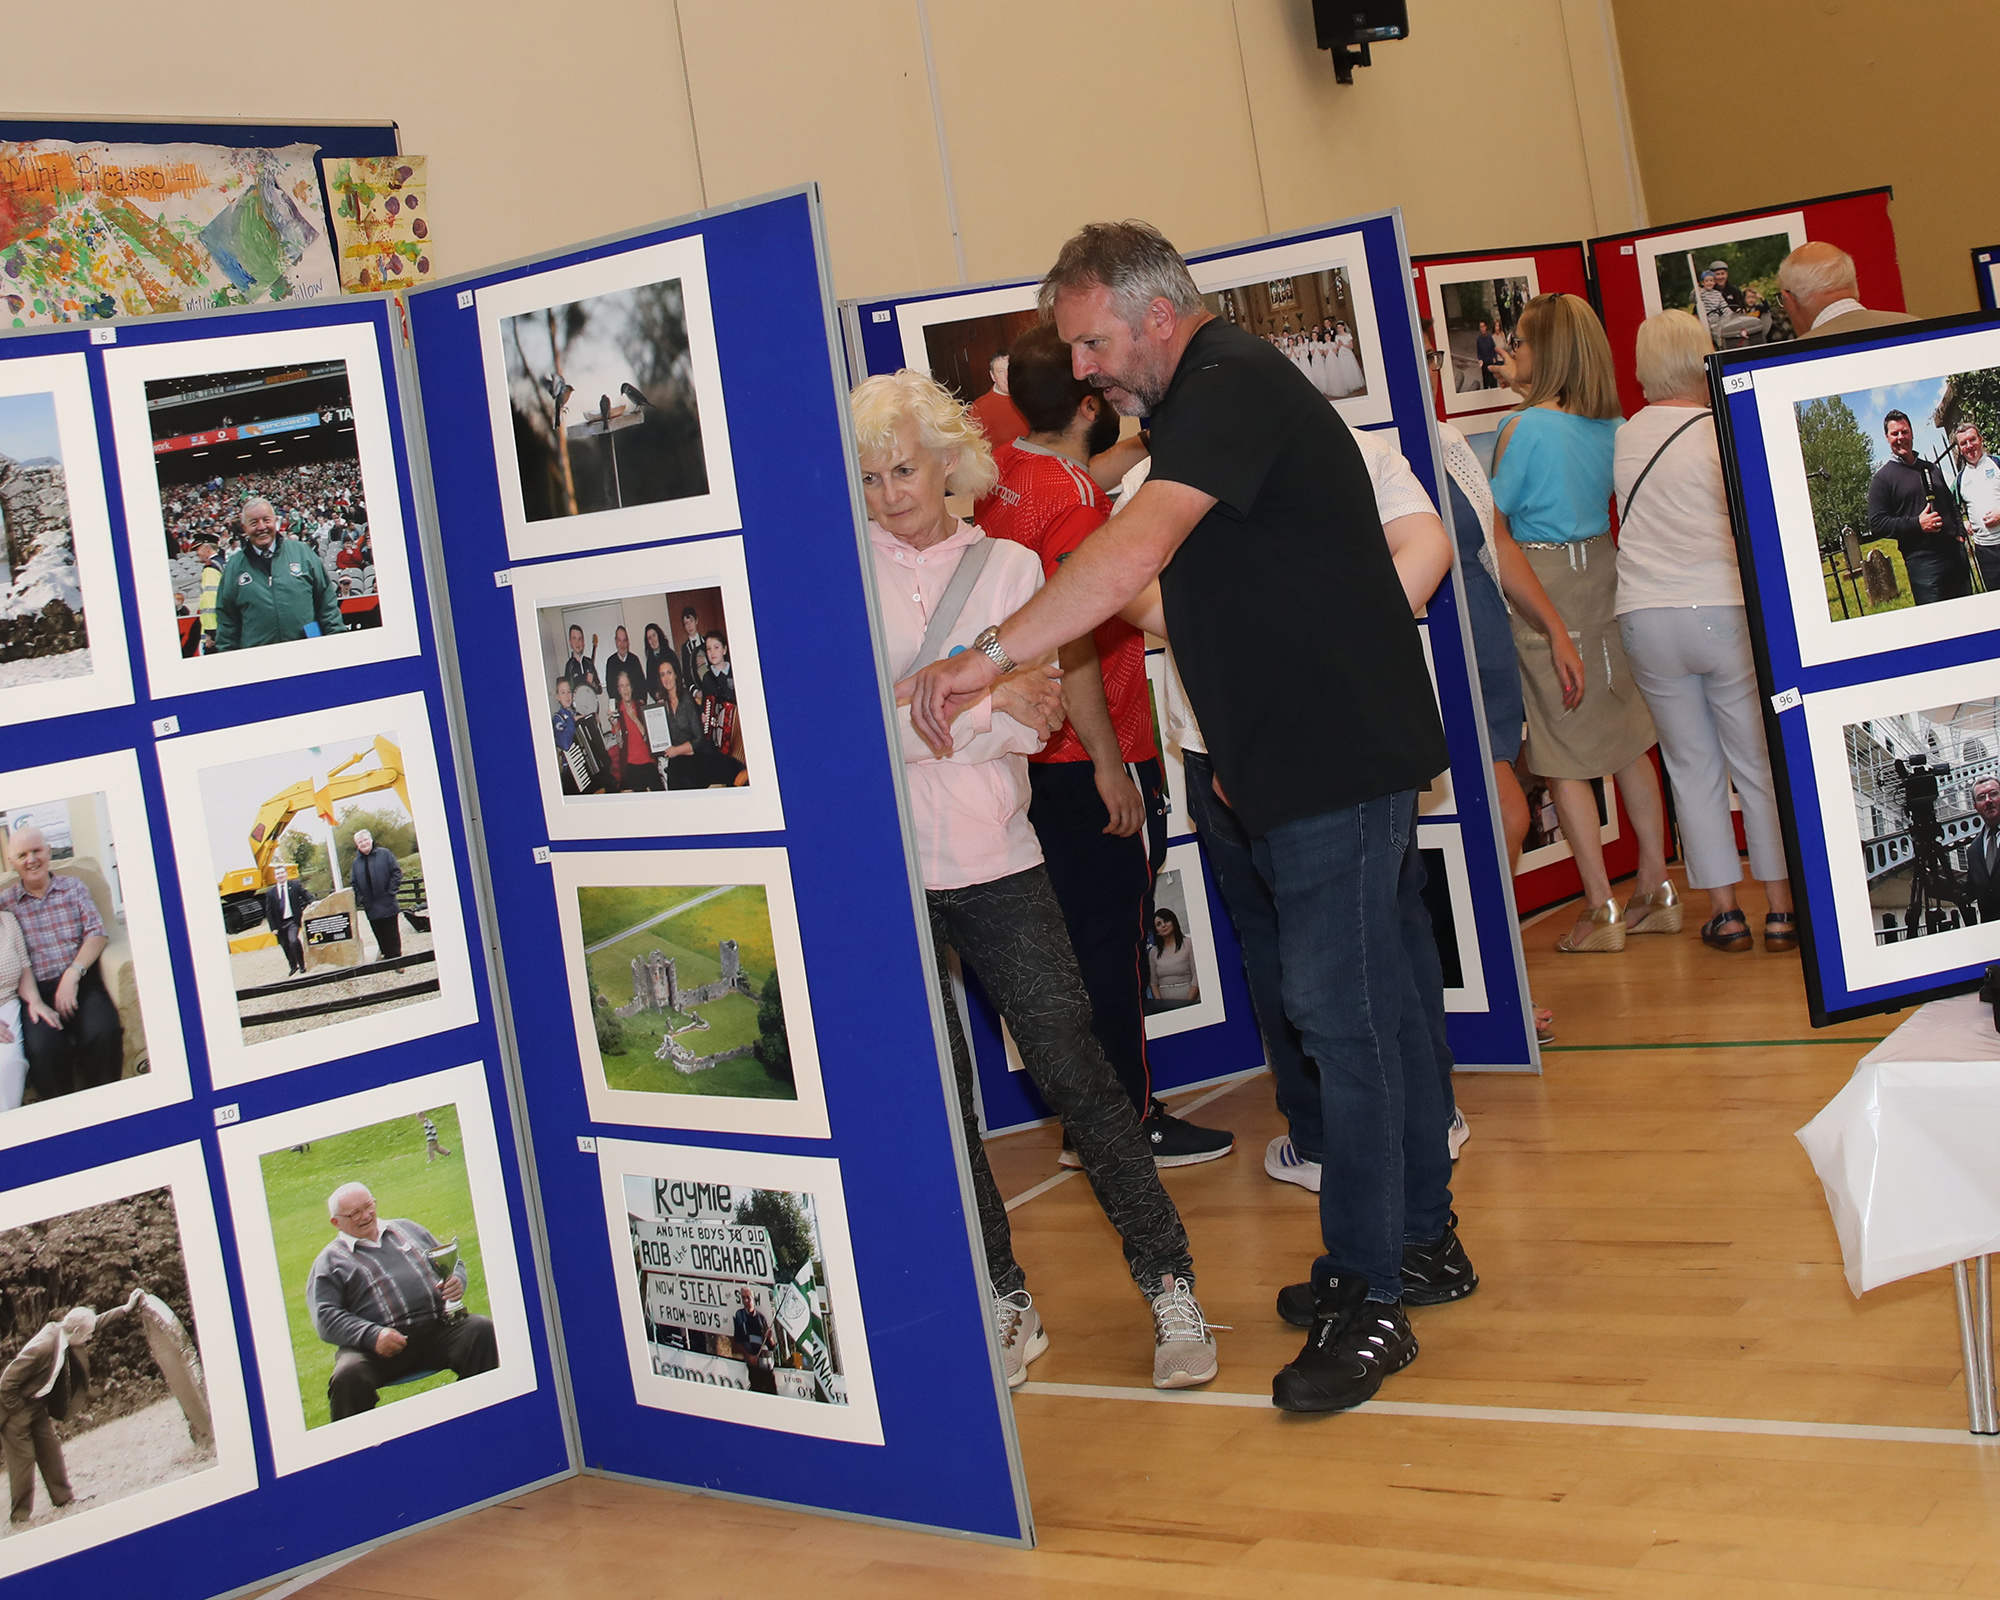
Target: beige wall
[(1496, 124), (1817, 97)]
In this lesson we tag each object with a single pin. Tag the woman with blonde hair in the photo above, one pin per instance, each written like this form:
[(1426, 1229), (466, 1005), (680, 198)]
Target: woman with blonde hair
[(943, 586), (1680, 613), (1552, 482)]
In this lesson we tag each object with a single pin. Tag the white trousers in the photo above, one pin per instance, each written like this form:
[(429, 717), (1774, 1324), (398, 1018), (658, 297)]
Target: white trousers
[(1693, 665)]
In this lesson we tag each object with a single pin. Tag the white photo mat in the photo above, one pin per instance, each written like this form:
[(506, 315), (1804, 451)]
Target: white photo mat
[(1186, 859), (770, 870), (66, 379), (1779, 391), (712, 512), (757, 806), (1828, 714), (1300, 259), (116, 777), (1692, 241), (182, 1170), (127, 370), (1173, 770), (1472, 402), (1449, 840), (857, 1422), (406, 719), (1439, 799), (294, 1446)]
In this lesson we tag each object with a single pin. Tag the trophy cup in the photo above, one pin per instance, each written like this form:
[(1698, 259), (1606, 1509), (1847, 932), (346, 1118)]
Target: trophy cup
[(444, 1261)]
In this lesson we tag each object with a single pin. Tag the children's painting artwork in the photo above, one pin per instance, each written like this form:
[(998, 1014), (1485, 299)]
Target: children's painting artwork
[(91, 231), (381, 221)]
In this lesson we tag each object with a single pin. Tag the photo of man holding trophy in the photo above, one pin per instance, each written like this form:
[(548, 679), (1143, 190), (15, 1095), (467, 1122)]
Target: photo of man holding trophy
[(390, 1298)]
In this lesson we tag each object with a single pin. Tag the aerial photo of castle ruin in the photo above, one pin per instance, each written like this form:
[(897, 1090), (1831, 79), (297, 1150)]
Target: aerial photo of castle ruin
[(684, 990)]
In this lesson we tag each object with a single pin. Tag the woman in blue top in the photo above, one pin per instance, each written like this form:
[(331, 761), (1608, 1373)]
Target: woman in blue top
[(1552, 483)]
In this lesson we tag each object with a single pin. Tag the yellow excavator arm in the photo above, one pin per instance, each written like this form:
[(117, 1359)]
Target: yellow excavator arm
[(342, 783)]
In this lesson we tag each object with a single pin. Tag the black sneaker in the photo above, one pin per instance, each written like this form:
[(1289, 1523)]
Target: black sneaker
[(1355, 1343), (1432, 1274), (1439, 1271), (1181, 1144)]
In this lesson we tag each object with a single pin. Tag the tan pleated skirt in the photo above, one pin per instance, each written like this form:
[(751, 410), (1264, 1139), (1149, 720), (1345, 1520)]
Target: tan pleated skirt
[(1612, 728)]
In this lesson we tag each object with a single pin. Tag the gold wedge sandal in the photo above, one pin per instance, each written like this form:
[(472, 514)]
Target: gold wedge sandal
[(1656, 912), (1607, 932)]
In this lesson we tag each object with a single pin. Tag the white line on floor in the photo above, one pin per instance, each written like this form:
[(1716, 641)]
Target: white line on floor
[(304, 1580), (1067, 1173), (1573, 1419)]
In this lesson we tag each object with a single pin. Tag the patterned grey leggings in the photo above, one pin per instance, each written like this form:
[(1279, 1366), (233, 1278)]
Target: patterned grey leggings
[(1011, 932)]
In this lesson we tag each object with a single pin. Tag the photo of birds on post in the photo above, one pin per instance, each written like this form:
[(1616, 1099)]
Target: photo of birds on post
[(640, 441)]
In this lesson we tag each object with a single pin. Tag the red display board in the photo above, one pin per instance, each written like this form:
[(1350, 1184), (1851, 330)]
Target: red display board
[(1452, 293), (1640, 273)]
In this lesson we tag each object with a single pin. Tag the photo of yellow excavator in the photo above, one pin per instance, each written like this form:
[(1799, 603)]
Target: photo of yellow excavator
[(243, 889)]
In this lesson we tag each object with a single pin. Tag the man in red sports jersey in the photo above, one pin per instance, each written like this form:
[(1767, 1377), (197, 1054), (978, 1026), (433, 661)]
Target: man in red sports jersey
[(1097, 806)]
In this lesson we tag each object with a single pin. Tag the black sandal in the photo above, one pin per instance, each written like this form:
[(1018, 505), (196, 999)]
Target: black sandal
[(1781, 931), (1718, 932)]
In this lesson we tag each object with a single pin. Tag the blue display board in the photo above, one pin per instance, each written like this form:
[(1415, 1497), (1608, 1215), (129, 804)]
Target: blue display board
[(1880, 712), (641, 433), (1362, 267), (167, 784)]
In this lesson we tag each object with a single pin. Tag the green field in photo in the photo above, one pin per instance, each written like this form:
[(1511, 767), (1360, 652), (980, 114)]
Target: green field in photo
[(389, 1158)]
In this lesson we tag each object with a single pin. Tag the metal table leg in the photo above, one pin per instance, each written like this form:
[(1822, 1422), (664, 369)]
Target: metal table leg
[(1975, 1339)]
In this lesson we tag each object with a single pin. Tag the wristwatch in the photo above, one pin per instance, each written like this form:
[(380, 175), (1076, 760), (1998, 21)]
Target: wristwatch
[(988, 645)]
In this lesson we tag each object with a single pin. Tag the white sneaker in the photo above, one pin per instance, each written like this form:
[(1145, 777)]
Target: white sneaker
[(1456, 1134), (1019, 1326), (1183, 1348), (1285, 1164)]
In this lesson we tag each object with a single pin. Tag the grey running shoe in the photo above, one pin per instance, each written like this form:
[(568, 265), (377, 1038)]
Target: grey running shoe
[(1019, 1326), (1183, 1347)]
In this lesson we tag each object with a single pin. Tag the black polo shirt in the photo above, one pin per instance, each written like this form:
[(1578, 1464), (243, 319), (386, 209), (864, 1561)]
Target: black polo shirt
[(1289, 624)]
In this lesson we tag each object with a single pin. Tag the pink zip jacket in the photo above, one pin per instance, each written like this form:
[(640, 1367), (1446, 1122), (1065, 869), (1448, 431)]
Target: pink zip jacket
[(971, 811)]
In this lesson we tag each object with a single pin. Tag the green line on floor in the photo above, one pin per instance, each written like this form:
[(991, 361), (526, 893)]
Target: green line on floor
[(1714, 1044)]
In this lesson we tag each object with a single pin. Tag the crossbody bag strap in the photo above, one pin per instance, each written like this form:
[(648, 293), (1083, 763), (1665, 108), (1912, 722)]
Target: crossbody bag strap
[(1625, 510), (951, 604)]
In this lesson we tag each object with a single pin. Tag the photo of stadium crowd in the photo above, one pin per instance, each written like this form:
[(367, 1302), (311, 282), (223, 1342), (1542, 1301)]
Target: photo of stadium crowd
[(265, 509)]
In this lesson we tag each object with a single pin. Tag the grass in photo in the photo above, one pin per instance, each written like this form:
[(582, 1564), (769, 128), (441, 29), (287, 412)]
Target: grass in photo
[(684, 990), (413, 1169)]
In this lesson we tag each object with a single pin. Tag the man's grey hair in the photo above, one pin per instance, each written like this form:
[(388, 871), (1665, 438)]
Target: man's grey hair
[(1132, 259), (333, 1205), (1827, 271)]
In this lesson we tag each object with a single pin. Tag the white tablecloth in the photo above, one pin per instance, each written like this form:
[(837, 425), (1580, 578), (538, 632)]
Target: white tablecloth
[(1909, 1151)]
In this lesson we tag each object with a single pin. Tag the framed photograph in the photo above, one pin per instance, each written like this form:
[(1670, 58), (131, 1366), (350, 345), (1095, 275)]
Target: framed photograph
[(605, 392), (1474, 308), (1544, 844), (381, 1212), (260, 470), (1312, 299), (1907, 774), (1163, 690), (607, 640), (687, 982), (1726, 274), (121, 1340), (958, 339), (62, 629), (736, 1288), (1889, 437), (1448, 897), (1183, 983), (1438, 798), (76, 862), (314, 939)]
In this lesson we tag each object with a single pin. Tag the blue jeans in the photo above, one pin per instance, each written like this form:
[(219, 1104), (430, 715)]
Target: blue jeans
[(1349, 993)]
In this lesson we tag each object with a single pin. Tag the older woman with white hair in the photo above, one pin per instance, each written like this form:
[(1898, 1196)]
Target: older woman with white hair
[(1680, 613), (944, 586)]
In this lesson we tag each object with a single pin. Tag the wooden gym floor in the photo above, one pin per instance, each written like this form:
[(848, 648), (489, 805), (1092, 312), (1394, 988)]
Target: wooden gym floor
[(1662, 1387)]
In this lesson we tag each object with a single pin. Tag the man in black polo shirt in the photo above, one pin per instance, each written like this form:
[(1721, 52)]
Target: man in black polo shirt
[(1910, 502), (1291, 622)]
